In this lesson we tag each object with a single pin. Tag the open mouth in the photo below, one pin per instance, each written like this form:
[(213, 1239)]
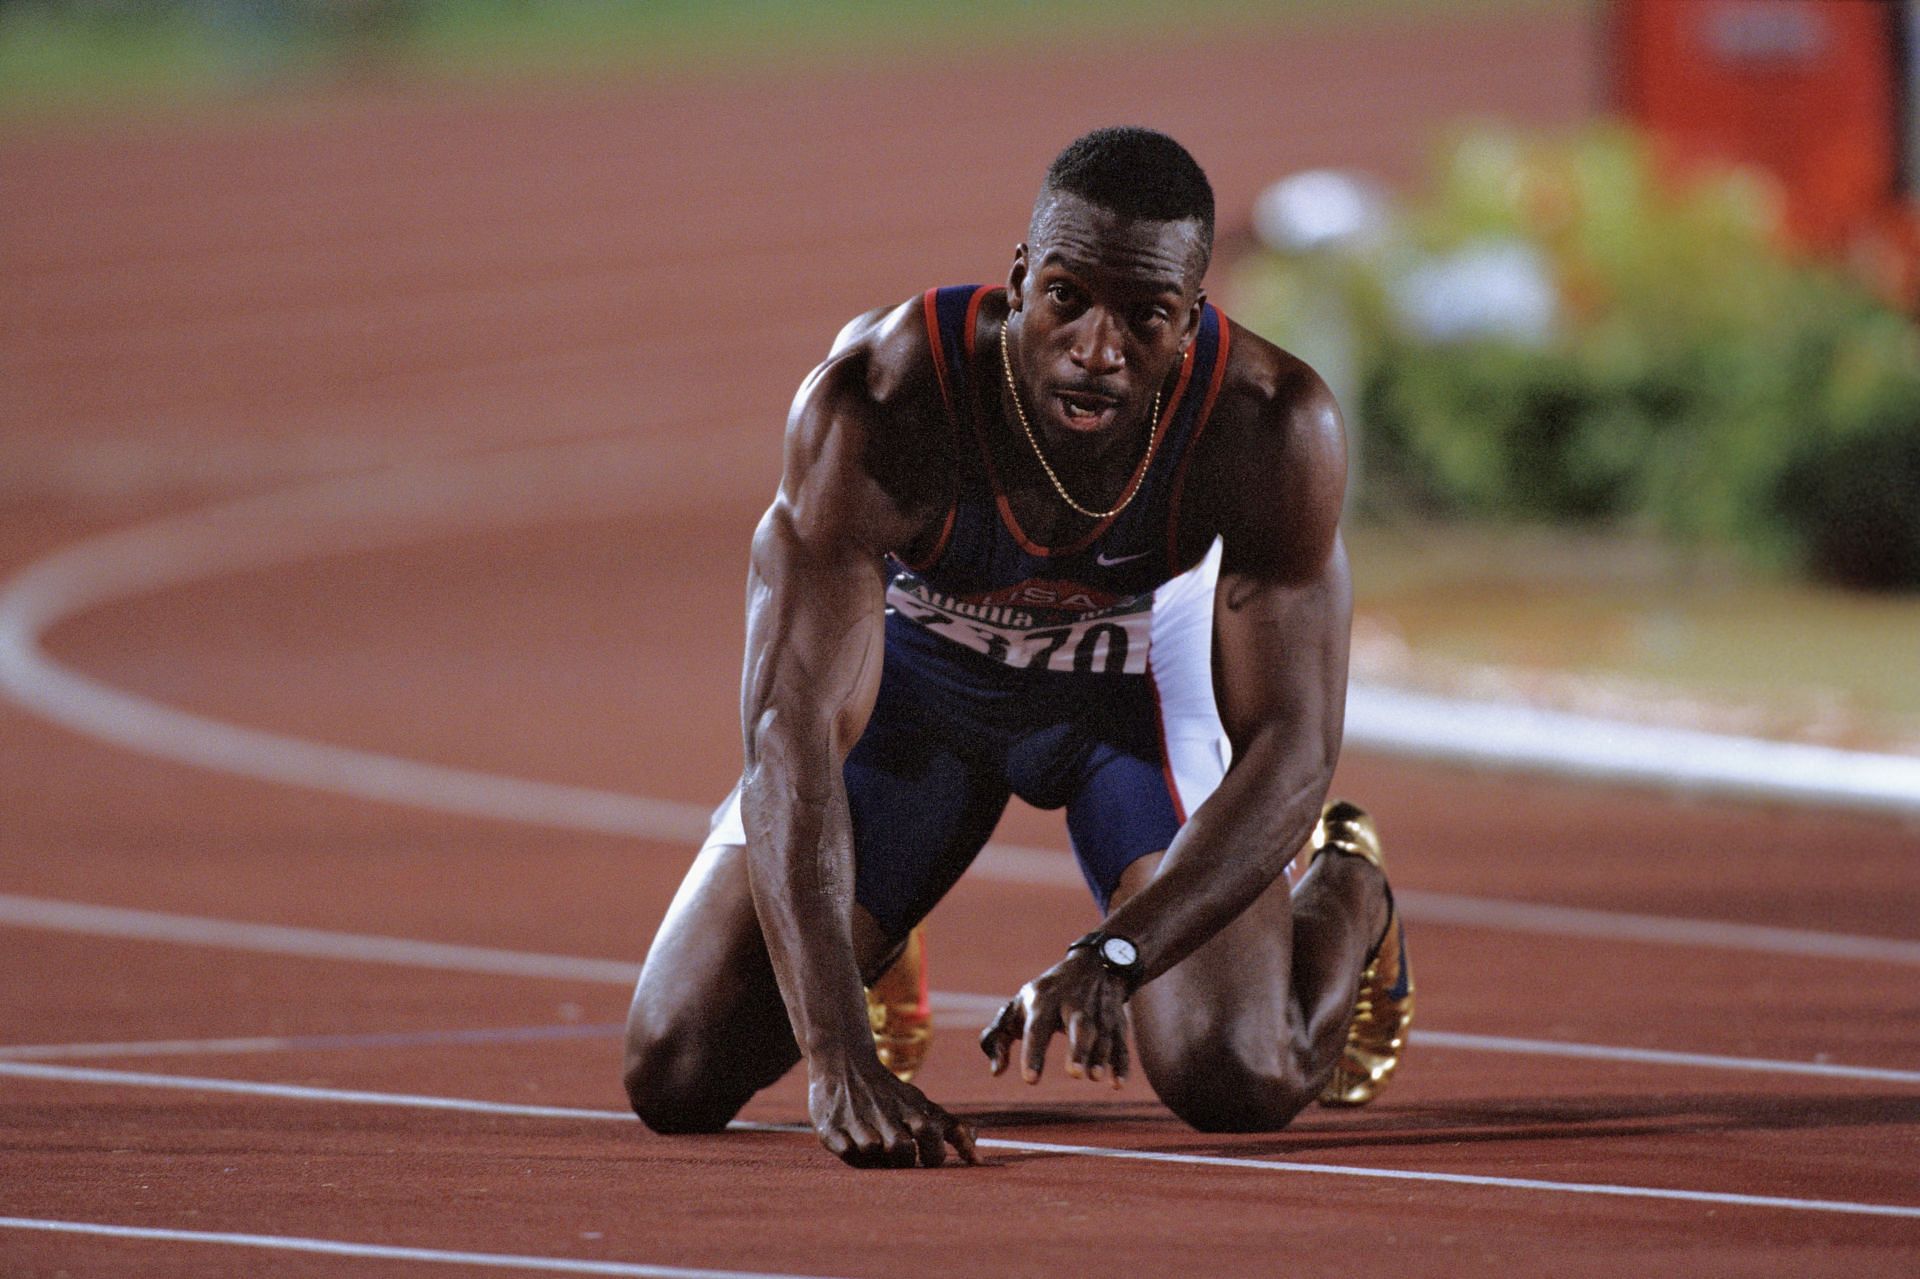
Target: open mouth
[(1086, 410)]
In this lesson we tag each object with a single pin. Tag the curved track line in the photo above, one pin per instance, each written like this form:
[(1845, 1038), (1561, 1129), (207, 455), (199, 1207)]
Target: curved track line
[(599, 478), (296, 1092), (331, 518)]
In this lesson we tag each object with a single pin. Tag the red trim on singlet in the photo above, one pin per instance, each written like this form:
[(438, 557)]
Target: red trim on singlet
[(973, 318), (930, 305), (934, 339), (1193, 447), (1139, 472), (1166, 752)]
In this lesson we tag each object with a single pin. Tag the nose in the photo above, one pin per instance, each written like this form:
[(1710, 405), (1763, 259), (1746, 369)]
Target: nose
[(1096, 343)]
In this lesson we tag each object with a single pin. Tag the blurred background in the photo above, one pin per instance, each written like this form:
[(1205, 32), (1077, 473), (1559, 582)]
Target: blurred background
[(388, 393), (1618, 295)]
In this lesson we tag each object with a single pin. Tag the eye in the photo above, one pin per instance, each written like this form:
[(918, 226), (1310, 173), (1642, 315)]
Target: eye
[(1149, 318), (1060, 293)]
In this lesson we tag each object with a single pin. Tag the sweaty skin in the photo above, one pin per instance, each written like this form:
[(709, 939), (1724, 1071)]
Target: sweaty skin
[(1269, 479), (1099, 312)]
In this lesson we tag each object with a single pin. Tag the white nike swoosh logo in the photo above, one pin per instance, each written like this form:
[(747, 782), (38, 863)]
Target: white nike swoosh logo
[(1101, 559)]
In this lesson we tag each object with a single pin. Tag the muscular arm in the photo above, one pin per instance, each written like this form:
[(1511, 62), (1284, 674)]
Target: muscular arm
[(815, 641), (1282, 615)]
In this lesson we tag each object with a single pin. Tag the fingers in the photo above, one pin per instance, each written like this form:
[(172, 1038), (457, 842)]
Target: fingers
[(930, 1136), (1122, 1063), (1040, 1032), (904, 1130), (1097, 1039), (1030, 1017), (856, 1144), (936, 1130), (960, 1134), (1096, 1036), (895, 1145), (997, 1040), (1083, 1042)]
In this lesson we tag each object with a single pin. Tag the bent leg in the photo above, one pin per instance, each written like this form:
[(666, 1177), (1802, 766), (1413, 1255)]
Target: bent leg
[(707, 1028), (1245, 1032)]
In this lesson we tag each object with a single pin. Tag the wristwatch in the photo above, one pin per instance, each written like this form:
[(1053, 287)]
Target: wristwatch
[(1116, 954)]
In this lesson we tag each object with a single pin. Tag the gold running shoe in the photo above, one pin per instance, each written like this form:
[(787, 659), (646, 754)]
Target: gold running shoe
[(898, 1013), (1383, 1007)]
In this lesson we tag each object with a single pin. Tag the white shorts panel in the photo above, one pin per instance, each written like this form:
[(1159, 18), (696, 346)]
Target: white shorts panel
[(1181, 664)]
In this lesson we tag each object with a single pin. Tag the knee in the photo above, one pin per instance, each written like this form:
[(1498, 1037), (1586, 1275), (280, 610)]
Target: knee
[(1221, 1086), (669, 1086)]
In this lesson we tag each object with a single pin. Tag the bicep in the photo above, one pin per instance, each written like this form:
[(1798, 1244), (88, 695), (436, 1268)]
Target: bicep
[(815, 634), (815, 602), (1283, 608), (1280, 654)]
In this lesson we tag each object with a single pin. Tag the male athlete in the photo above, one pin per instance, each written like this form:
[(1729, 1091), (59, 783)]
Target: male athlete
[(1073, 539)]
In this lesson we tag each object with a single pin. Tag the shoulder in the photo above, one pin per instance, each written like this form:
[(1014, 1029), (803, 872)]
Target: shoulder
[(1273, 463), (879, 372), (864, 435), (885, 356)]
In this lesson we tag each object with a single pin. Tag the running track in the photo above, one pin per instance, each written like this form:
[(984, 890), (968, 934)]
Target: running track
[(362, 454)]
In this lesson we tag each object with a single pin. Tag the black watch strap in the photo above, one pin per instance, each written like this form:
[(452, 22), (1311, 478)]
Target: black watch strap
[(1117, 954)]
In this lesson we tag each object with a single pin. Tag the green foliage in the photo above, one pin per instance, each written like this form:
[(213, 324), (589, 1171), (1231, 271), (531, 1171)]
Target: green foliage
[(1699, 377)]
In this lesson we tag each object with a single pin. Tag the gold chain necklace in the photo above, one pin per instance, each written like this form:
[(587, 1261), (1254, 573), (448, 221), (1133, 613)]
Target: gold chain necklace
[(1133, 486)]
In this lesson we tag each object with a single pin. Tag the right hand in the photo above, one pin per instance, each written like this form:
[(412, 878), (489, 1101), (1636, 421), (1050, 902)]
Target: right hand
[(872, 1120)]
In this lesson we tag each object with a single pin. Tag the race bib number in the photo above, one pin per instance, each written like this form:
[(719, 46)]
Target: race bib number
[(1110, 642)]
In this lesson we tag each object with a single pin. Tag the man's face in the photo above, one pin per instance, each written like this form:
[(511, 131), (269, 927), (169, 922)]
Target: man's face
[(1106, 307)]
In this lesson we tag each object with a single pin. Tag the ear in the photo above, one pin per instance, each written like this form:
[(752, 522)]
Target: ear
[(1017, 277), (1192, 329)]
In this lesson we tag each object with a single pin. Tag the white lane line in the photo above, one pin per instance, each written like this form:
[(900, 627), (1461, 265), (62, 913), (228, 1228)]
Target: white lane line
[(384, 1252), (84, 1049), (1650, 1056), (20, 911), (51, 915), (292, 1092), (296, 1092), (1471, 1179), (1570, 921), (952, 1009), (307, 943), (1055, 868), (1541, 740), (469, 1037)]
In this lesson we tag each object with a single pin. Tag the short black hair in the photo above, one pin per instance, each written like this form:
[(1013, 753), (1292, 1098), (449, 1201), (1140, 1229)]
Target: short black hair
[(1136, 173)]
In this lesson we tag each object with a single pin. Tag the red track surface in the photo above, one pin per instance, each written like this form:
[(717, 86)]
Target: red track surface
[(196, 311)]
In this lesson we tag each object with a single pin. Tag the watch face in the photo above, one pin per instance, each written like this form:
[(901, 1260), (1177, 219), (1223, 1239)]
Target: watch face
[(1119, 952)]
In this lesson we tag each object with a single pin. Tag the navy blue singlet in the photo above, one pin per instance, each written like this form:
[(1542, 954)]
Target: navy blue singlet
[(1017, 669), (1080, 607)]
